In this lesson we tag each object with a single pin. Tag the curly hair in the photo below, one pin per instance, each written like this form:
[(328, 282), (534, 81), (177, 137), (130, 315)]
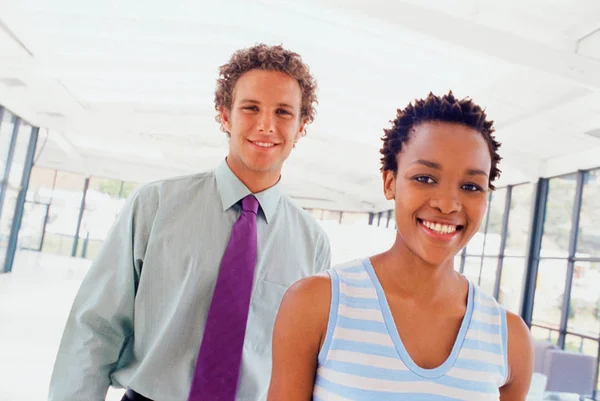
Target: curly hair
[(446, 108), (270, 58)]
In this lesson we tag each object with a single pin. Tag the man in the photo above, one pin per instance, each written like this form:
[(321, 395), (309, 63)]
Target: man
[(180, 303)]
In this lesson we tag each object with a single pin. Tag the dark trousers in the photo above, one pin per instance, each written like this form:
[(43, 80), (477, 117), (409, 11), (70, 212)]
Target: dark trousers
[(131, 395)]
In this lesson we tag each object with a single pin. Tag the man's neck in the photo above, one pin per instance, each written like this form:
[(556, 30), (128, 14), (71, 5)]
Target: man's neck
[(255, 181)]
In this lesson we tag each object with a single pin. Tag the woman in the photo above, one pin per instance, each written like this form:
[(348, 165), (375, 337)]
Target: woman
[(404, 325)]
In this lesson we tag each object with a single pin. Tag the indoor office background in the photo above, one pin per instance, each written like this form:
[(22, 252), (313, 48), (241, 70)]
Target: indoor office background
[(537, 250), (69, 214), (101, 98)]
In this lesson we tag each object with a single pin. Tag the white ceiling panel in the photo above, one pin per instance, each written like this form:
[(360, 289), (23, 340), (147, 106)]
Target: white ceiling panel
[(125, 89)]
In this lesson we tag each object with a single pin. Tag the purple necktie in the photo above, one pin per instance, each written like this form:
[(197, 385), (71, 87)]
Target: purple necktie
[(219, 359)]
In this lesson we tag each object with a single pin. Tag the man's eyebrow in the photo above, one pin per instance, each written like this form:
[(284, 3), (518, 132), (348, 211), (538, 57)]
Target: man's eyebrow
[(289, 106)]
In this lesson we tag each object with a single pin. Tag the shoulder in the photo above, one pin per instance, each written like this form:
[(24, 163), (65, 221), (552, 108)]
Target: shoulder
[(482, 299), (520, 348), (179, 187), (519, 336), (303, 218), (184, 183), (351, 267), (295, 211), (310, 294), (304, 310), (517, 333)]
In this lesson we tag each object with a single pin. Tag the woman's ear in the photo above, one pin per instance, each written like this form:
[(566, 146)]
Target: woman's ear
[(389, 184)]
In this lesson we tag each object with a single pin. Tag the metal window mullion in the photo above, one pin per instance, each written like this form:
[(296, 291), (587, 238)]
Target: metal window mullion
[(595, 392), (487, 222), (80, 218), (9, 159), (534, 248), (575, 215), (593, 260), (20, 202), (46, 216), (503, 238)]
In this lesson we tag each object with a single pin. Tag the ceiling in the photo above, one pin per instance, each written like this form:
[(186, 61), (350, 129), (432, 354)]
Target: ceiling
[(124, 89)]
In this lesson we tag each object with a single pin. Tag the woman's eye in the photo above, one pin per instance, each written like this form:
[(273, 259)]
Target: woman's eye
[(284, 112), (472, 187), (251, 108), (424, 179)]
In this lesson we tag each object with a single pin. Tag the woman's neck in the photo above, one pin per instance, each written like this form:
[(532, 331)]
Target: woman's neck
[(405, 273)]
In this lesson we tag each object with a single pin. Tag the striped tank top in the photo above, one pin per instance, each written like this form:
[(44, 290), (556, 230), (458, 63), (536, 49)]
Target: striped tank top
[(363, 357)]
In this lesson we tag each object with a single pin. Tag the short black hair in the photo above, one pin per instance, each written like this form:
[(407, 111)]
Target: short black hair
[(446, 108)]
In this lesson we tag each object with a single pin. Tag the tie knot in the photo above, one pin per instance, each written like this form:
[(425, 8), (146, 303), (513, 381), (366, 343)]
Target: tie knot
[(250, 204)]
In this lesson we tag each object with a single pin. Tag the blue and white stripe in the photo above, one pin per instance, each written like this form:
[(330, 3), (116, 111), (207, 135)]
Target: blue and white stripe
[(363, 357)]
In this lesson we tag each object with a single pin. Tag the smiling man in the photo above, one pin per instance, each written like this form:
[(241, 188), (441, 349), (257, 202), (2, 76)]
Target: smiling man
[(180, 303)]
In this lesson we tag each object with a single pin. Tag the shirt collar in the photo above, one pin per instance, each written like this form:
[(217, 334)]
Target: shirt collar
[(232, 190)]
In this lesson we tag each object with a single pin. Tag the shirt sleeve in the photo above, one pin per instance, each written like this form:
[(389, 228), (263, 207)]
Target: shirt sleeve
[(101, 319), (323, 260)]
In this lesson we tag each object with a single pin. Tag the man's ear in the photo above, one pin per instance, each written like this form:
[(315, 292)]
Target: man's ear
[(389, 184), (225, 121), (301, 132)]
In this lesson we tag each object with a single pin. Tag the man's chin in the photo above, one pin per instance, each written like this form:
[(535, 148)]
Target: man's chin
[(262, 166)]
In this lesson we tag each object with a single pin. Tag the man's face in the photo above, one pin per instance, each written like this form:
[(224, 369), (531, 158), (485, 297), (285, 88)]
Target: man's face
[(264, 122)]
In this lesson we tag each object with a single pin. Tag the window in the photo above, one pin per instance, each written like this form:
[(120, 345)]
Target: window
[(549, 292), (519, 220), (588, 244), (559, 212)]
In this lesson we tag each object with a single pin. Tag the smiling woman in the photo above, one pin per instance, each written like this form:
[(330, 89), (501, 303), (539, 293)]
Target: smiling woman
[(404, 324)]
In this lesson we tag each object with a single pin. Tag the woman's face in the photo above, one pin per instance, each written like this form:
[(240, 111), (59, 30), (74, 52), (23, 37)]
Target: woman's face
[(440, 189)]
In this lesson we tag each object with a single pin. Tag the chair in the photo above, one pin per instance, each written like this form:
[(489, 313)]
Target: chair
[(540, 349), (569, 372)]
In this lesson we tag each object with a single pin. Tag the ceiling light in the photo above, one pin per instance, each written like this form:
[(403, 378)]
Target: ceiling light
[(53, 114), (595, 133), (12, 82)]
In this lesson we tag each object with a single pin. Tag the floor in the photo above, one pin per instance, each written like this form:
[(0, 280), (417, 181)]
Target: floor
[(35, 300)]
